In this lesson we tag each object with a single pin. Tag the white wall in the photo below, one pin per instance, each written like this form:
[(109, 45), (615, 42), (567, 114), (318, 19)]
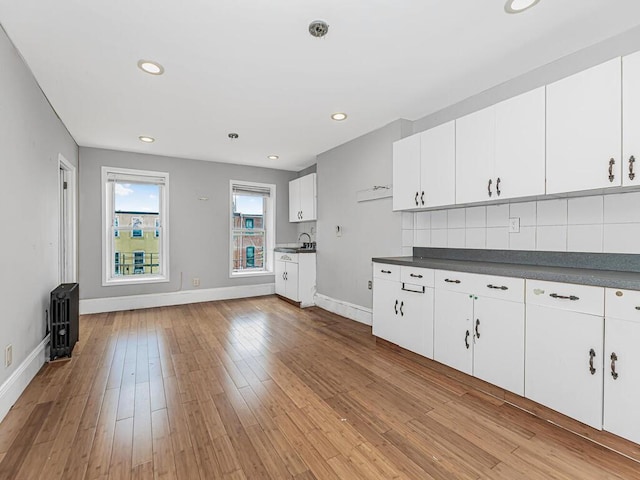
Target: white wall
[(199, 230), (31, 137)]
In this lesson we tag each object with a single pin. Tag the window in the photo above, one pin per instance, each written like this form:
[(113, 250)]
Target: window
[(135, 222), (252, 228)]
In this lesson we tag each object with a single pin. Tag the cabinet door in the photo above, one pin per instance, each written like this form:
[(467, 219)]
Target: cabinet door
[(561, 347), (622, 393), (414, 329), (453, 334), (308, 197), (498, 353), (294, 200), (292, 285), (281, 283), (438, 166), (406, 173), (475, 146), (631, 119), (520, 146), (385, 308), (584, 130)]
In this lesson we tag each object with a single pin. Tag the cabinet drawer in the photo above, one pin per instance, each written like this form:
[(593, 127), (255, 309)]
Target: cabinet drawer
[(566, 296), (503, 288), (456, 281), (287, 257), (622, 304), (386, 271), (417, 276)]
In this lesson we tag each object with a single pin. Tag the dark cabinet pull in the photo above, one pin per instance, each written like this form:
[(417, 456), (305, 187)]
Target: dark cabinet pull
[(592, 355), (466, 340), (489, 187), (564, 297), (422, 198), (416, 199), (501, 287), (415, 276), (385, 271), (612, 162), (498, 186), (477, 328), (396, 307), (614, 359), (632, 174), (451, 281), (401, 305)]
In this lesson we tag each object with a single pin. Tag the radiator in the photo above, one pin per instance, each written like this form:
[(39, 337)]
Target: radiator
[(64, 319)]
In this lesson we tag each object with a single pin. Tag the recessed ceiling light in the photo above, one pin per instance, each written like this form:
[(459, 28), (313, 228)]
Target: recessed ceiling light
[(273, 157), (154, 68), (339, 116), (145, 139), (518, 6)]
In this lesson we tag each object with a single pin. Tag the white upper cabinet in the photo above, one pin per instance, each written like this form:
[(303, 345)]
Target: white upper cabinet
[(475, 147), (631, 119), (302, 199), (519, 169), (406, 173), (438, 165), (584, 130)]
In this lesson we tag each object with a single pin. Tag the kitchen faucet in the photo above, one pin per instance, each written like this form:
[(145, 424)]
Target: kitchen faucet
[(304, 233)]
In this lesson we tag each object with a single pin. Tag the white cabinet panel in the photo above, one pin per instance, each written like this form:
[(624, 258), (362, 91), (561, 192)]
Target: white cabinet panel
[(520, 145), (414, 330), (584, 130), (294, 201), (406, 173), (302, 199), (631, 119), (386, 301), (438, 165), (292, 282), (281, 283), (453, 334), (564, 362), (475, 150)]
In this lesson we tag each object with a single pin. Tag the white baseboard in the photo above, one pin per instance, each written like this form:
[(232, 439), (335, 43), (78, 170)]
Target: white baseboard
[(132, 302), (346, 309), (13, 387)]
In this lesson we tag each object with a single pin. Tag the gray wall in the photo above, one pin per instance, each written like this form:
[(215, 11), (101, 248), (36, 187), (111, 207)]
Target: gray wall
[(199, 230), (369, 228), (31, 137)]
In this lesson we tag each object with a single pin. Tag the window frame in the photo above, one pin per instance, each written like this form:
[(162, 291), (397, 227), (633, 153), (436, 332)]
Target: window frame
[(109, 278), (269, 226)]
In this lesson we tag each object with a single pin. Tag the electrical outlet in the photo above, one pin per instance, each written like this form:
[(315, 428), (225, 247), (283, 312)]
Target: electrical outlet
[(370, 285), (195, 282), (8, 355), (514, 225)]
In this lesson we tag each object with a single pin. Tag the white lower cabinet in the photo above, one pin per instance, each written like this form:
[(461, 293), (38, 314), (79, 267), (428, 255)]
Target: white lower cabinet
[(296, 276), (453, 340), (622, 364), (564, 349)]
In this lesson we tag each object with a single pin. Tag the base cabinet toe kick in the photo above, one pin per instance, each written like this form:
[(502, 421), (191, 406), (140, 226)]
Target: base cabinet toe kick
[(572, 348)]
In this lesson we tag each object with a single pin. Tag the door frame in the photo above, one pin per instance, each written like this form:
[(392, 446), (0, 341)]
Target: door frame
[(67, 250)]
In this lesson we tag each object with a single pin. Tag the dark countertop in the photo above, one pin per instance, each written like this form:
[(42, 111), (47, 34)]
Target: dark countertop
[(294, 250), (530, 268)]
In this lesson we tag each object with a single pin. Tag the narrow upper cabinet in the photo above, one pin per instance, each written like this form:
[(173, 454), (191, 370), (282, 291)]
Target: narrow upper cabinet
[(406, 173), (584, 130), (438, 165), (302, 199), (631, 119)]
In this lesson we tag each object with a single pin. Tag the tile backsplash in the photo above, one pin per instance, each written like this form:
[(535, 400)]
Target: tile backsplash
[(599, 223)]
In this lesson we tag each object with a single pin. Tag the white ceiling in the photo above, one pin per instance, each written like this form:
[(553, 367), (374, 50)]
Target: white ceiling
[(251, 67)]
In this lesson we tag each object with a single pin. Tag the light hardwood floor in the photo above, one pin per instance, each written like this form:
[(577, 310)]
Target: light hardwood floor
[(257, 388)]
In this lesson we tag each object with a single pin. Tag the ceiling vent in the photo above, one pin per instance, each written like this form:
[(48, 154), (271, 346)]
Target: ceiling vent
[(318, 28)]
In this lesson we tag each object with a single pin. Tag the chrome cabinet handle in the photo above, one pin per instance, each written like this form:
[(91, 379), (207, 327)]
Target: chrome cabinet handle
[(501, 287), (564, 297), (632, 174), (477, 328), (614, 359), (416, 198), (415, 276), (466, 340), (422, 198), (401, 305), (592, 355), (451, 281), (489, 187), (498, 186), (612, 162)]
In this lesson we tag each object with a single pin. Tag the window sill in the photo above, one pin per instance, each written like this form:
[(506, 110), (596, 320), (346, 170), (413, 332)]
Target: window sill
[(135, 280), (261, 273)]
